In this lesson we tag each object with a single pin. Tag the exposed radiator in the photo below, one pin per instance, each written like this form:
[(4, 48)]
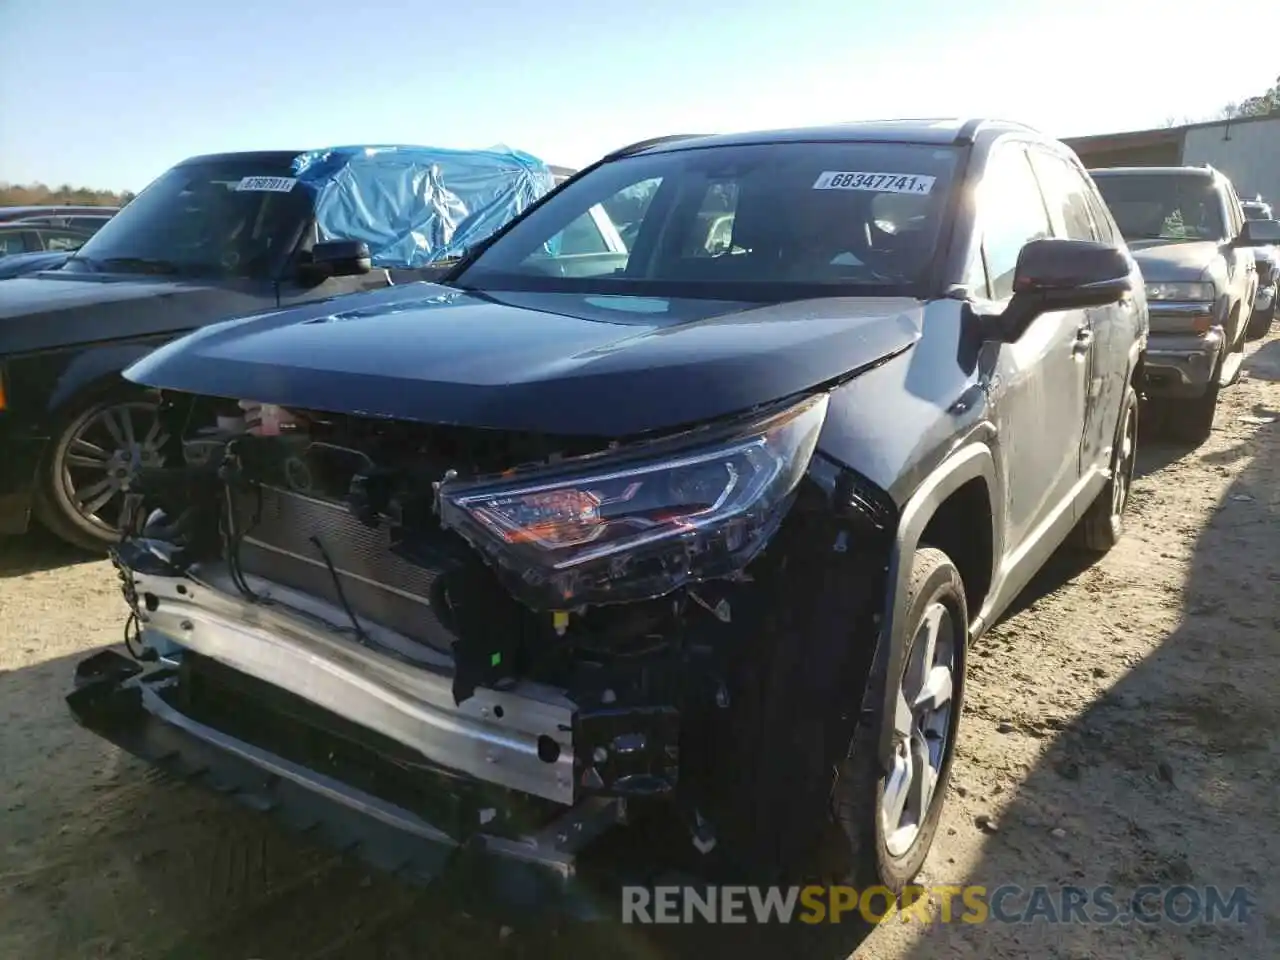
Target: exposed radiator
[(377, 584)]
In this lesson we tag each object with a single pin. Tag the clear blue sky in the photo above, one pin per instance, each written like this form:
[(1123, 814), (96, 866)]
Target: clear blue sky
[(109, 93)]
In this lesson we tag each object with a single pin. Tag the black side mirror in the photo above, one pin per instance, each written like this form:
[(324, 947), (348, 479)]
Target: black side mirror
[(337, 258), (1057, 274), (1259, 233)]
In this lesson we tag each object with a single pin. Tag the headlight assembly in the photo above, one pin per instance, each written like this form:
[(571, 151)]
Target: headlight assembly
[(1181, 291), (641, 522)]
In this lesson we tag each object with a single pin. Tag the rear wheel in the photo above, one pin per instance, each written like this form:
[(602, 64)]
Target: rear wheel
[(1102, 526), (98, 450)]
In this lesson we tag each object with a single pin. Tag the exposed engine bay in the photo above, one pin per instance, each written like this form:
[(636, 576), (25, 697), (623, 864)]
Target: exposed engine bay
[(559, 617)]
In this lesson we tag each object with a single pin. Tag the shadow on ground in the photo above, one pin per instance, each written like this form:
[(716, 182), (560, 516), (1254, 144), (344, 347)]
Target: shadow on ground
[(38, 550), (105, 857), (1178, 758)]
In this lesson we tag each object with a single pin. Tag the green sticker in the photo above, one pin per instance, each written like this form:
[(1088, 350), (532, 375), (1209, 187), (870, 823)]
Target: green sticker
[(495, 659)]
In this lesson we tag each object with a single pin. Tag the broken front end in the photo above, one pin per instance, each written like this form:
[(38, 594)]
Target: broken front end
[(427, 640)]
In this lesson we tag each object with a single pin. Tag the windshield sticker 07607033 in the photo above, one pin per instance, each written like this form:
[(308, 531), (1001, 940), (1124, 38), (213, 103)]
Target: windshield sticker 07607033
[(875, 182), (267, 184)]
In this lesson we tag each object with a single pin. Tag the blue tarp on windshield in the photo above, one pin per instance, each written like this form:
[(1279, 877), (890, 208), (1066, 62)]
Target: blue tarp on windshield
[(416, 205)]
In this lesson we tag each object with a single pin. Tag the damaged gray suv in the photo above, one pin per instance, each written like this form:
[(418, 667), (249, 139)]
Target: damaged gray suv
[(687, 534)]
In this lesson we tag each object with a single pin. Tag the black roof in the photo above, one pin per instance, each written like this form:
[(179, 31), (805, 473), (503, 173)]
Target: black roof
[(270, 157), (258, 156), (1206, 172), (939, 131), (15, 226), (58, 209)]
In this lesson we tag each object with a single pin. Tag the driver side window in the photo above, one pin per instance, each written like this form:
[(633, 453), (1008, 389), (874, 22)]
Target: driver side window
[(1011, 212)]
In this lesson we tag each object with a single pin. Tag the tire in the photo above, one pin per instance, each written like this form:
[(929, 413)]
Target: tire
[(805, 787), (1260, 323), (1191, 421), (1102, 526), (861, 787), (1236, 334), (90, 456)]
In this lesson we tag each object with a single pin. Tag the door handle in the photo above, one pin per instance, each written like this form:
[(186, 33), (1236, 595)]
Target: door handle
[(1084, 338)]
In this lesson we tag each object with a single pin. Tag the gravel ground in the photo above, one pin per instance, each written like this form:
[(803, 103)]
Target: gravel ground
[(1120, 729)]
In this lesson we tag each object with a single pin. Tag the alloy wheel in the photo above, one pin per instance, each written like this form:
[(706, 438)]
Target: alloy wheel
[(922, 726), (1122, 479), (101, 454)]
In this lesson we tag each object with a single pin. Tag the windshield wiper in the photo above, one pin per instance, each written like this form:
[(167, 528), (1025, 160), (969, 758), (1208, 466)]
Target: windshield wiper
[(142, 263)]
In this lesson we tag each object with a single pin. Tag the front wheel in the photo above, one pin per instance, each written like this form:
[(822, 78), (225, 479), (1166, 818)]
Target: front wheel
[(99, 448), (805, 795), (890, 817), (1191, 421), (1260, 322)]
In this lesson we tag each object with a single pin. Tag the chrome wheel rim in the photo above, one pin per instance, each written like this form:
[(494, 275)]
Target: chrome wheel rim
[(102, 454), (1123, 475), (922, 728)]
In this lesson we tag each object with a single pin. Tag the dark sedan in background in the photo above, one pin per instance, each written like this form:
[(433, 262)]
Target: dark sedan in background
[(87, 218), (21, 237), (42, 238)]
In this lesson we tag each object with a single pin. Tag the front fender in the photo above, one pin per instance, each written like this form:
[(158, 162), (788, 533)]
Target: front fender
[(971, 462), (93, 369)]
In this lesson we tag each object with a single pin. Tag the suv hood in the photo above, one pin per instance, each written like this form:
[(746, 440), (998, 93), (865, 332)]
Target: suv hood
[(1165, 262), (552, 363), (76, 308)]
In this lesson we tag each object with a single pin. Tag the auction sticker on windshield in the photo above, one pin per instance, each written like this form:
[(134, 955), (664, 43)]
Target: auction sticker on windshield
[(877, 182), (267, 184)]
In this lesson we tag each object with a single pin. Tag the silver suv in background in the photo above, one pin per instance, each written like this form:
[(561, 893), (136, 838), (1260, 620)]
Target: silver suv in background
[(1187, 230), (1264, 301)]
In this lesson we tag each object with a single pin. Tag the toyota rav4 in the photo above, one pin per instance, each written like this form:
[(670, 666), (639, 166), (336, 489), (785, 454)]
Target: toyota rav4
[(694, 532)]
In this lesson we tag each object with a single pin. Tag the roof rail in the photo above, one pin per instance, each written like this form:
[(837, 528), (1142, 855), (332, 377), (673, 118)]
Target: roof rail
[(651, 142), (966, 134), (968, 131)]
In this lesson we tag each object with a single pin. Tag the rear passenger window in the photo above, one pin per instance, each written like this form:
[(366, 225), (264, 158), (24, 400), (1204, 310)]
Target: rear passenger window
[(1067, 196), (1012, 214)]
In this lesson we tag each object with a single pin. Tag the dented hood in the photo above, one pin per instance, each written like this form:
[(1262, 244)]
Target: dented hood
[(552, 363)]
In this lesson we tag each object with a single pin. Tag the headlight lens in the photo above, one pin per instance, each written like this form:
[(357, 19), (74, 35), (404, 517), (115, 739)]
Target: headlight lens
[(638, 523), (1180, 291)]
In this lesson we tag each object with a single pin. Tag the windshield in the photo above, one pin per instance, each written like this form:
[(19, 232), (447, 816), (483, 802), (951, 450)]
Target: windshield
[(229, 218), (1256, 211), (1163, 206), (761, 222)]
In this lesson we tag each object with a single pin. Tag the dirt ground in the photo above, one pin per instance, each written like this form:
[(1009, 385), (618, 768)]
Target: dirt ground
[(1120, 729)]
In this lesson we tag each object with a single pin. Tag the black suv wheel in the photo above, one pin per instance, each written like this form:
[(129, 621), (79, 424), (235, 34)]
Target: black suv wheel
[(97, 451)]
